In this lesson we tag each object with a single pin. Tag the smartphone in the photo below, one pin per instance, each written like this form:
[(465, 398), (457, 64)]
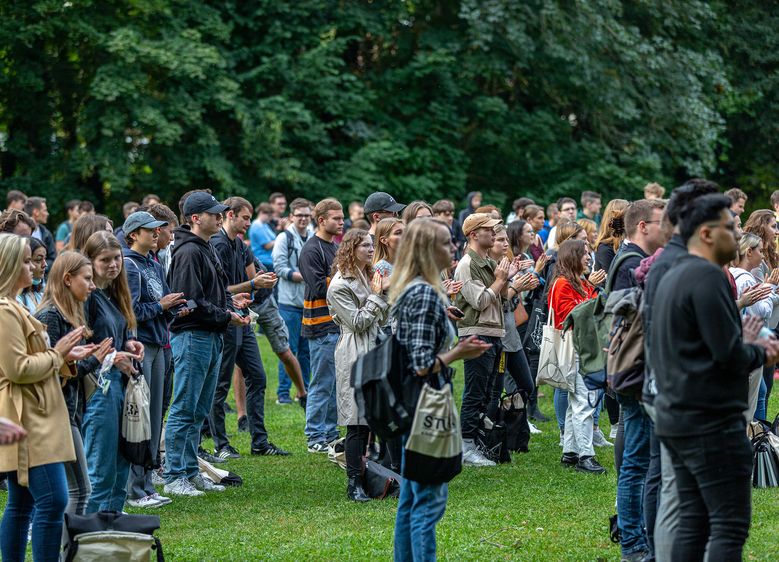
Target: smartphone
[(456, 312)]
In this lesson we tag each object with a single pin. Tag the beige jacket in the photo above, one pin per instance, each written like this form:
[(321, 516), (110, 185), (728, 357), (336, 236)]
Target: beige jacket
[(30, 394), (359, 313)]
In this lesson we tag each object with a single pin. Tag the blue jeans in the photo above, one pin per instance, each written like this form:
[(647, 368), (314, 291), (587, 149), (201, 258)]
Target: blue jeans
[(761, 410), (101, 427), (197, 356), (47, 495), (321, 411), (560, 407), (420, 508), (293, 318), (632, 475)]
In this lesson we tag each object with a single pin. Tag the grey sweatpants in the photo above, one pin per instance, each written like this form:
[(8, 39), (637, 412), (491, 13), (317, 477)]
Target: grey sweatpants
[(667, 519)]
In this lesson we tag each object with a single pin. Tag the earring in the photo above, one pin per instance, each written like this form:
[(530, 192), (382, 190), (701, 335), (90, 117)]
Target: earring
[(67, 284)]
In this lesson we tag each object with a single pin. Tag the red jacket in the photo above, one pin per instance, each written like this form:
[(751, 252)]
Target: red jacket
[(563, 298)]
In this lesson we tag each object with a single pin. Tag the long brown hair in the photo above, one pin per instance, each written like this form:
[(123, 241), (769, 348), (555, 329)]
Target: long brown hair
[(569, 264), (384, 230), (759, 222), (118, 289), (612, 226), (57, 295), (344, 258), (86, 226), (567, 230)]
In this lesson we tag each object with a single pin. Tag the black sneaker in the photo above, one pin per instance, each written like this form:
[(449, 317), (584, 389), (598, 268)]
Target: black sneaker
[(243, 424), (538, 415), (270, 450), (208, 457), (227, 452), (569, 460), (589, 464)]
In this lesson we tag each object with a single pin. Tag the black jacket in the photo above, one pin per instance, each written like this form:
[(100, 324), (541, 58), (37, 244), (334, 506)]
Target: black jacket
[(57, 327), (196, 271), (51, 246), (700, 361), (624, 277)]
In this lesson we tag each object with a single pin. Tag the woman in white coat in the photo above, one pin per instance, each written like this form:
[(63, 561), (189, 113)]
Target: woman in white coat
[(358, 304)]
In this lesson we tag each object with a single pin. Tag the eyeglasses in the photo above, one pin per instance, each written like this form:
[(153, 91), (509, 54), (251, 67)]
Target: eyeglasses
[(299, 216)]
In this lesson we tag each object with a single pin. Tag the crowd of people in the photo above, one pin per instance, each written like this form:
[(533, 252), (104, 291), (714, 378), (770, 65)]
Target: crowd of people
[(176, 298)]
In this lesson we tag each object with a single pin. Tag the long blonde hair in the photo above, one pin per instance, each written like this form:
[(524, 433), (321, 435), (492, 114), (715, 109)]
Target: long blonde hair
[(118, 290), (612, 226), (57, 295), (11, 260), (384, 230), (416, 257)]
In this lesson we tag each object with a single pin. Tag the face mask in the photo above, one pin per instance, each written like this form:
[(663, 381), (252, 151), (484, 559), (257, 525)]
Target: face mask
[(36, 282)]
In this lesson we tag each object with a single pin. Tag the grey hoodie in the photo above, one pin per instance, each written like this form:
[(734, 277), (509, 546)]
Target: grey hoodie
[(286, 252)]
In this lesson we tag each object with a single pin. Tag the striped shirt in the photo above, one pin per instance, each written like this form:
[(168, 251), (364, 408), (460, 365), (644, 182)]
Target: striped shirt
[(315, 263)]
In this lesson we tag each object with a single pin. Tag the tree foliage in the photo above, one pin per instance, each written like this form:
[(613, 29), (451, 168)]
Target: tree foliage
[(426, 99)]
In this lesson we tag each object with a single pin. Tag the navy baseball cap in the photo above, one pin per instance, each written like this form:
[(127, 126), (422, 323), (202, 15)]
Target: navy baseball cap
[(202, 202)]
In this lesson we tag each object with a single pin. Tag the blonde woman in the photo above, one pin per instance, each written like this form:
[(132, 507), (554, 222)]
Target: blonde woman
[(416, 210), (358, 304), (427, 339), (389, 231), (30, 397), (109, 315)]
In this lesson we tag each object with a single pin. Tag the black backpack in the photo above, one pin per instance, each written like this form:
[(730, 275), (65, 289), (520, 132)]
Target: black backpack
[(111, 535), (492, 439), (377, 379)]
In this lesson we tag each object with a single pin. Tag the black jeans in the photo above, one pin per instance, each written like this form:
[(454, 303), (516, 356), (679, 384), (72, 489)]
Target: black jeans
[(652, 488), (480, 376), (714, 478), (354, 449), (240, 348)]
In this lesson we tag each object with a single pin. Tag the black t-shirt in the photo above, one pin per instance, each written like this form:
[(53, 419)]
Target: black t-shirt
[(698, 356), (234, 255)]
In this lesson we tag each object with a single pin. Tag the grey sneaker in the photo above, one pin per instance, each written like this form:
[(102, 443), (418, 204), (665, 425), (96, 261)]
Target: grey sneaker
[(144, 502), (473, 457), (205, 485), (599, 440), (182, 487), (160, 498), (156, 479)]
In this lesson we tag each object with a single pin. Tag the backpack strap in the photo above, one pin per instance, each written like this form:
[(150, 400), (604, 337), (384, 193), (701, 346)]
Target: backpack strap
[(618, 261)]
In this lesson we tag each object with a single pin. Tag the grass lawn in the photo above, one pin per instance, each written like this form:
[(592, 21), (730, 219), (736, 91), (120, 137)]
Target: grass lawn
[(295, 508)]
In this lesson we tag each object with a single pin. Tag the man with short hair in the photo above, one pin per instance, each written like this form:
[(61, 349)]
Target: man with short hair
[(155, 307), (653, 191), (15, 199), (702, 362), (278, 203), (151, 199), (591, 205), (485, 284), (643, 226), (197, 340), (567, 208), (262, 235), (737, 200), (240, 343), (36, 209), (66, 227), (356, 212), (518, 208), (86, 208), (291, 290), (380, 205), (315, 263)]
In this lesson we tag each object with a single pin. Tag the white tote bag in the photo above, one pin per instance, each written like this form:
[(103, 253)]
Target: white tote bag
[(557, 359)]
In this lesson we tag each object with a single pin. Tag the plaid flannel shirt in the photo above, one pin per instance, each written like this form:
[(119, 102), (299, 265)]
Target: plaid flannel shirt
[(421, 325)]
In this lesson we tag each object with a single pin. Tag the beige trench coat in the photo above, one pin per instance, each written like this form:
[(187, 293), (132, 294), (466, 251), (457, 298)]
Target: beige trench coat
[(359, 313), (30, 394)]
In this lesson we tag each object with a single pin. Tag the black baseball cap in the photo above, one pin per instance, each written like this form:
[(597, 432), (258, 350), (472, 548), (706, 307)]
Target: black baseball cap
[(381, 201), (202, 202)]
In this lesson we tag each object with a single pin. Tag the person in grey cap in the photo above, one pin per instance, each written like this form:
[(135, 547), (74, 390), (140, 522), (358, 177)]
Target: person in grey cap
[(153, 304), (380, 205), (196, 339)]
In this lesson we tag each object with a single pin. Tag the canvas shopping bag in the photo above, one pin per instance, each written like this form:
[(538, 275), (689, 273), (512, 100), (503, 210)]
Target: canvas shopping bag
[(557, 359)]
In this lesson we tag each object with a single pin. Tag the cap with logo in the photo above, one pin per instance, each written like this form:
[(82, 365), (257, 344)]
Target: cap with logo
[(141, 219), (202, 202), (381, 201), (479, 220)]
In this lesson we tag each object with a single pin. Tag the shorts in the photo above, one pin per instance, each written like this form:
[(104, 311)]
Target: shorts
[(272, 325)]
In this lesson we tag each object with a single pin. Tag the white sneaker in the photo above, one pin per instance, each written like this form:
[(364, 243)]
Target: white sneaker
[(562, 439), (160, 498), (156, 479), (182, 487), (205, 485), (533, 429), (473, 457), (613, 432), (599, 440), (144, 502)]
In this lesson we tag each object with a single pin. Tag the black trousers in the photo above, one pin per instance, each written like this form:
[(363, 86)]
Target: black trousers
[(714, 479), (652, 487), (240, 348), (354, 449), (480, 374)]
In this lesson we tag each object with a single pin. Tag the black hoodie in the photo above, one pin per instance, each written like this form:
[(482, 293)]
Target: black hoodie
[(195, 270)]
